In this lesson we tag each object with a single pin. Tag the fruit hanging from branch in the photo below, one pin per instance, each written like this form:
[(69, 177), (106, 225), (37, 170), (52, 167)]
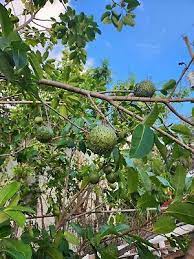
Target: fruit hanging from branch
[(144, 89), (44, 134), (101, 140)]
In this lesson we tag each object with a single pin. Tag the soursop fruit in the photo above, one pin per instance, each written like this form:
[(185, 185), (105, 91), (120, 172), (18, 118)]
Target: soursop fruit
[(144, 89), (102, 139), (44, 134)]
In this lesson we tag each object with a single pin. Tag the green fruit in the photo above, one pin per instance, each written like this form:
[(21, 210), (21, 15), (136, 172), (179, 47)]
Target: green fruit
[(144, 89), (94, 178), (38, 120), (44, 134), (102, 139), (112, 177), (107, 169)]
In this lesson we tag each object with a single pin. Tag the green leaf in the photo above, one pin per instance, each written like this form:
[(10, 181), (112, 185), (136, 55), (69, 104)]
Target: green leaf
[(3, 217), (179, 179), (54, 253), (8, 191), (14, 201), (142, 141), (109, 252), (164, 224), (20, 208), (167, 86), (182, 129), (132, 180), (71, 238), (35, 64), (19, 54), (16, 248), (152, 117), (161, 147), (105, 15), (114, 20), (5, 231), (163, 181), (6, 24), (119, 228), (145, 179), (182, 211), (16, 216), (128, 20), (147, 200), (6, 67), (132, 4), (108, 7)]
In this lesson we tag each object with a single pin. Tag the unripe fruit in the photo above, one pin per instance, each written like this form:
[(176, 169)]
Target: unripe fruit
[(144, 89), (102, 139)]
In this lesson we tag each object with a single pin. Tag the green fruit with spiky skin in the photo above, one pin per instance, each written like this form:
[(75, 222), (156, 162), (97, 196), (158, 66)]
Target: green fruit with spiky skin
[(107, 169), (94, 178), (44, 134), (144, 89), (102, 139), (112, 177), (38, 120)]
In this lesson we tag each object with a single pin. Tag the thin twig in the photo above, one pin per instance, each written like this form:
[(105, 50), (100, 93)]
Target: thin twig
[(179, 115), (27, 22), (65, 118), (100, 112), (181, 76)]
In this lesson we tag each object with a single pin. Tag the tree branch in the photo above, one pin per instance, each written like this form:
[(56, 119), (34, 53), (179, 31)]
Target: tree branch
[(179, 115), (27, 22), (111, 101)]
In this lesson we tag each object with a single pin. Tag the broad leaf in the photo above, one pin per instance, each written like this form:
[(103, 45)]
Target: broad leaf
[(19, 54), (17, 216), (6, 24), (8, 191), (161, 147), (182, 129), (20, 208), (71, 238), (6, 67), (16, 248), (132, 180), (168, 86), (179, 179), (145, 179), (54, 253), (152, 117), (147, 200), (164, 224), (182, 211), (3, 217), (142, 141), (35, 65)]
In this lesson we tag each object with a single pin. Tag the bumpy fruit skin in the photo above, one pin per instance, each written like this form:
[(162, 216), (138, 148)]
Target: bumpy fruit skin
[(44, 134), (94, 178), (38, 120), (102, 139), (144, 89), (112, 177)]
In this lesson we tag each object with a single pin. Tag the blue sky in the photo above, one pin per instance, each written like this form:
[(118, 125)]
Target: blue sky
[(153, 48)]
